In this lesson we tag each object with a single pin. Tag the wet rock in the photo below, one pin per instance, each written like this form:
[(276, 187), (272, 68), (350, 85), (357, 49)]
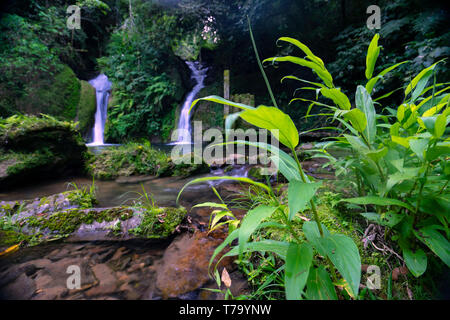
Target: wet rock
[(119, 253), (185, 263), (51, 293), (107, 281), (21, 288)]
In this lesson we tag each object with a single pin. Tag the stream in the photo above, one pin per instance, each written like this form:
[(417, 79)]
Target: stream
[(134, 269)]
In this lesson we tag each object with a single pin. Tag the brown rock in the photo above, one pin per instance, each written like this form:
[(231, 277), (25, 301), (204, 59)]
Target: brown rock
[(185, 263), (107, 281)]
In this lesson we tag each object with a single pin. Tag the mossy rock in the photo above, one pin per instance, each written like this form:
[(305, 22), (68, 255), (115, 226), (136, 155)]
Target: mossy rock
[(87, 107), (38, 147), (62, 215)]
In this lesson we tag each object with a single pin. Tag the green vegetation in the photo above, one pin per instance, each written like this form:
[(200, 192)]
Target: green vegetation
[(87, 106), (399, 160), (38, 147), (139, 159)]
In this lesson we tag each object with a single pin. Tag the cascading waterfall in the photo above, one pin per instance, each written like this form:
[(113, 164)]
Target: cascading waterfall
[(103, 88), (184, 127)]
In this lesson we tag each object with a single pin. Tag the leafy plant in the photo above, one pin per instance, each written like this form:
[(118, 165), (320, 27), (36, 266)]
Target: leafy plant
[(399, 159), (306, 276)]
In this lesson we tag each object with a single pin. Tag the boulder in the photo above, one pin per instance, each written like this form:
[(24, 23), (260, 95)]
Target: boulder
[(34, 147)]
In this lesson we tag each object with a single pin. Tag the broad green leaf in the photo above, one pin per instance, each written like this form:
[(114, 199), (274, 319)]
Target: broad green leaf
[(312, 234), (378, 201), (401, 141), (377, 155), (365, 104), (320, 71), (250, 222), (276, 121), (415, 261), (319, 285), (418, 146), (357, 143), (417, 78), (436, 242), (371, 83), (357, 118), (437, 151), (372, 55), (299, 195), (206, 179), (278, 247), (338, 97), (389, 219), (305, 49), (298, 262), (344, 254)]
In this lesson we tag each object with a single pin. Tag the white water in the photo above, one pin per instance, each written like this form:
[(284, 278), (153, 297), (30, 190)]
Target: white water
[(184, 126), (103, 88)]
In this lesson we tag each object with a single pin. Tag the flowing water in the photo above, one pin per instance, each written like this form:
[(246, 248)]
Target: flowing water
[(102, 88), (184, 127)]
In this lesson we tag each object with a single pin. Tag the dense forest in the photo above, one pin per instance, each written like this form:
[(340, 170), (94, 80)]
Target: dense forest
[(358, 102)]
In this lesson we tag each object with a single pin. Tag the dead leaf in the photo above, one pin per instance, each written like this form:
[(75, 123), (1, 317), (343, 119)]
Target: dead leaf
[(226, 278), (10, 250)]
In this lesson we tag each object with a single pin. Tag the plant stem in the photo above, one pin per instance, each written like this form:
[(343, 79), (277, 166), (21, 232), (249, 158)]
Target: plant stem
[(313, 205)]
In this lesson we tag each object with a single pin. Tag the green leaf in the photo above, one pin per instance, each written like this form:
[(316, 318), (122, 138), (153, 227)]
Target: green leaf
[(415, 261), (299, 195), (424, 73), (278, 247), (210, 204), (250, 222), (357, 118), (206, 179), (302, 80), (372, 56), (312, 234), (364, 103), (380, 201), (344, 254), (276, 121), (229, 121), (371, 83), (319, 285), (418, 146), (435, 241), (305, 49), (320, 71), (389, 219), (338, 97), (221, 100), (298, 262)]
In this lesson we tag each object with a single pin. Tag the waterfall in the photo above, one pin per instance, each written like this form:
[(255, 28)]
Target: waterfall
[(184, 127), (102, 88)]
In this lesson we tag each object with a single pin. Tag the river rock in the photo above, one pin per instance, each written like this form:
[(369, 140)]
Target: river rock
[(185, 263)]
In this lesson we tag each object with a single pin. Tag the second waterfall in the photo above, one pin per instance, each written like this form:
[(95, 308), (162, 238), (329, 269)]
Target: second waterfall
[(184, 126)]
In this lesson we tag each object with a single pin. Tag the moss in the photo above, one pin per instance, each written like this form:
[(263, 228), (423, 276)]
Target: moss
[(10, 238), (87, 107), (159, 222), (35, 147), (68, 86)]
